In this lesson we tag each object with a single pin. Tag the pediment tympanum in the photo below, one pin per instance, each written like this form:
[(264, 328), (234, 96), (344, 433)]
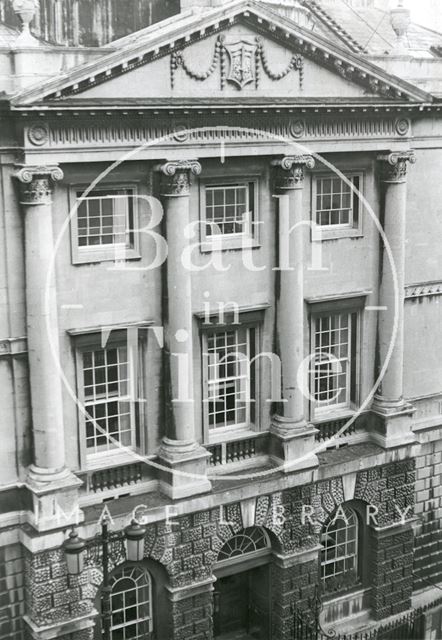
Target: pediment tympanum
[(234, 63)]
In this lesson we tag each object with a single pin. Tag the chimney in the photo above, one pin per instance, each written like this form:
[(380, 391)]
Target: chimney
[(400, 21)]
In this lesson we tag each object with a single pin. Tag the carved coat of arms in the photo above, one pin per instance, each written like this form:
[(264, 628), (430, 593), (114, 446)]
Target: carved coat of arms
[(242, 63)]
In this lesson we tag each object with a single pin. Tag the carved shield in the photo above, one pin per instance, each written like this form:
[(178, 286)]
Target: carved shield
[(242, 63)]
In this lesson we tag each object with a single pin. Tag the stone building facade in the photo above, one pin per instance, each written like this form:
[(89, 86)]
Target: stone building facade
[(220, 294)]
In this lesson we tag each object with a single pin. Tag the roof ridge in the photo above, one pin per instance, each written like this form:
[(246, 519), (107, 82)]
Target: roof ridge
[(425, 28), (318, 9)]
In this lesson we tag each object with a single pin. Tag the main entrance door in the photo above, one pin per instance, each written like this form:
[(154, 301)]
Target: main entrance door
[(242, 605)]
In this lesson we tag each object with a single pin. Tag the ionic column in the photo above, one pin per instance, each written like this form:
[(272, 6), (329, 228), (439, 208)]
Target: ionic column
[(391, 293), (290, 424), (180, 443), (54, 488), (42, 322), (389, 399)]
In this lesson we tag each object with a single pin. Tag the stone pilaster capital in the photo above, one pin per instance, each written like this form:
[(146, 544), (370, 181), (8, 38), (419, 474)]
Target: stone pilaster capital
[(394, 165), (290, 171), (176, 176), (36, 183)]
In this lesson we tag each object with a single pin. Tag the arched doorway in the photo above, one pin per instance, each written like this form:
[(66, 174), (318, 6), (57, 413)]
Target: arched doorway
[(242, 588)]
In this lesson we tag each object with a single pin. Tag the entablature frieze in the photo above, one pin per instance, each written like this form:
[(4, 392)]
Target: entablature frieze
[(199, 129)]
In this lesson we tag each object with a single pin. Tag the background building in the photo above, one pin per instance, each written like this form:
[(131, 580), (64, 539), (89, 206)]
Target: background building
[(286, 134)]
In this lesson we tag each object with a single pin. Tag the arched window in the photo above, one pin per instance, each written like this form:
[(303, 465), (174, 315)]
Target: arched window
[(339, 555), (131, 604), (249, 541)]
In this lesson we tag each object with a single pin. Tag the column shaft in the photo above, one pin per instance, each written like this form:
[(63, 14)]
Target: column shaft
[(179, 322), (184, 462), (293, 438), (393, 315), (42, 320), (391, 292), (291, 303)]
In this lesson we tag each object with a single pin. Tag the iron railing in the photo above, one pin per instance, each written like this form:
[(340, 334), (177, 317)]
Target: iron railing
[(407, 627)]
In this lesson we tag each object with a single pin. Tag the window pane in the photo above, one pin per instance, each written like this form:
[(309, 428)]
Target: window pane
[(226, 209), (103, 218), (339, 552), (109, 421), (334, 203), (131, 604), (228, 391), (335, 363)]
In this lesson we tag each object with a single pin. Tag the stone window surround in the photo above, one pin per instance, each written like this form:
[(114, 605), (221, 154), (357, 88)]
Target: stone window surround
[(84, 340), (103, 253), (128, 572), (250, 318), (217, 350), (351, 521), (232, 175), (363, 559), (351, 304), (330, 232)]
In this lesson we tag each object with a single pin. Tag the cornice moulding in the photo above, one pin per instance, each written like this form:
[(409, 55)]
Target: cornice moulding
[(423, 290), (13, 347), (234, 128)]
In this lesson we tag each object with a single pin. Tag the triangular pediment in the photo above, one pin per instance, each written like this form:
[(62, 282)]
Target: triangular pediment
[(240, 51)]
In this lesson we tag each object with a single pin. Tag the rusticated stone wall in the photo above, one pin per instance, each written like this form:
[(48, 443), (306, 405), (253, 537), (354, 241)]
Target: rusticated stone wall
[(391, 572), (192, 618), (186, 549), (292, 588)]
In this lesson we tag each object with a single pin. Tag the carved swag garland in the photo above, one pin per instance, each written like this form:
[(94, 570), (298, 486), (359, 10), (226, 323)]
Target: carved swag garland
[(246, 59)]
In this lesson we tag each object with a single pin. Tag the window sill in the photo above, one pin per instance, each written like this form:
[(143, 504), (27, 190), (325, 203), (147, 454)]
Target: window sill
[(99, 461), (331, 416), (231, 435), (319, 235), (356, 591), (104, 255), (229, 244)]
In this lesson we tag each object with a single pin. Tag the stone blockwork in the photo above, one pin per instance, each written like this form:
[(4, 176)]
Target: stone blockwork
[(51, 595), (428, 541), (391, 571), (292, 587), (192, 618), (390, 489), (12, 600)]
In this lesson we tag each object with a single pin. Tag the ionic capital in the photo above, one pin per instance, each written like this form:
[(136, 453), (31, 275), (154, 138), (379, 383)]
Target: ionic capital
[(290, 171), (36, 183), (394, 165), (176, 176)]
